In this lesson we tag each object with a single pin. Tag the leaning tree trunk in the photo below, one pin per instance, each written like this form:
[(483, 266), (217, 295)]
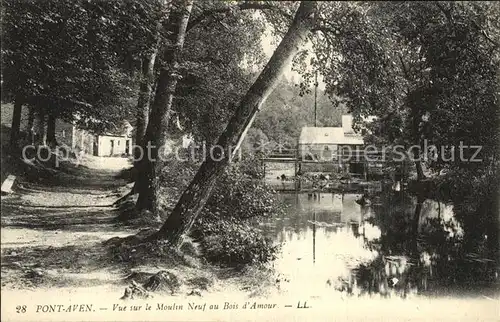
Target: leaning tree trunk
[(148, 180), (143, 172), (196, 195), (16, 122)]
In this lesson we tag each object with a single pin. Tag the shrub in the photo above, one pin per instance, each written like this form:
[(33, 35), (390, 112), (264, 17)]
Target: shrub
[(225, 227), (238, 195), (251, 166), (233, 243)]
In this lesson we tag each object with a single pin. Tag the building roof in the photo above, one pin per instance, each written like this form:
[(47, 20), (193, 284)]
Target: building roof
[(331, 135), (328, 135)]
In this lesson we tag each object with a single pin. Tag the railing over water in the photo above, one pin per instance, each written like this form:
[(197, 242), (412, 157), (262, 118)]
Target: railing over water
[(284, 172)]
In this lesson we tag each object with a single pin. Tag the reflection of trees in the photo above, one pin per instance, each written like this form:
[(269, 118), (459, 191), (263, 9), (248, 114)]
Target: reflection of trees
[(420, 243), (397, 268), (478, 214), (394, 216), (423, 250), (299, 218)]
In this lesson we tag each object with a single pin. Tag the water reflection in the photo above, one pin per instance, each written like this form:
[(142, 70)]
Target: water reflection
[(322, 238), (399, 245)]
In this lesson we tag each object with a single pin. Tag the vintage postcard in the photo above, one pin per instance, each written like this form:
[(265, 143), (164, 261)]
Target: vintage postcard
[(192, 160)]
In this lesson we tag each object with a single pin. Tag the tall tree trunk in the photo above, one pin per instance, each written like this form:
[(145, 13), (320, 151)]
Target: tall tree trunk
[(420, 171), (151, 166), (40, 129), (16, 122), (51, 129), (416, 103), (416, 222), (196, 195), (145, 87), (31, 121)]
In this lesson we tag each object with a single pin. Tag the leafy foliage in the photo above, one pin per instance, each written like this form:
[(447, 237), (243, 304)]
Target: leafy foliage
[(235, 243), (64, 57), (240, 197), (285, 112), (213, 75), (226, 228), (426, 70)]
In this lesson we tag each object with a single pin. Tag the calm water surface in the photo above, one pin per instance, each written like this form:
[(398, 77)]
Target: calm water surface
[(391, 247)]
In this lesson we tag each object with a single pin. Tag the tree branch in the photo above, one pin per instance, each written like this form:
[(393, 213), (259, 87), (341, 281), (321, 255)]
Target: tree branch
[(485, 35), (242, 6), (447, 13), (405, 71)]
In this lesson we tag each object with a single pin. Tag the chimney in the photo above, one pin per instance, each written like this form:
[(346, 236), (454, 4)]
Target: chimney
[(347, 124)]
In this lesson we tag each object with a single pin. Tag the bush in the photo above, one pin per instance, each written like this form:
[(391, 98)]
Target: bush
[(238, 195), (225, 227), (233, 243), (251, 166)]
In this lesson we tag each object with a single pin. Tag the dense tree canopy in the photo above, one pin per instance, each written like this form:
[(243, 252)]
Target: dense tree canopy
[(427, 71), (75, 73), (214, 77)]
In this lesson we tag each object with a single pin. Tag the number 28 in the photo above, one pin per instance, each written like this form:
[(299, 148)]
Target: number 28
[(21, 309)]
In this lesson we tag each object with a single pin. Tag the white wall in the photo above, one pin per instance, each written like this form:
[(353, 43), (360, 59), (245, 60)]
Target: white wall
[(119, 146)]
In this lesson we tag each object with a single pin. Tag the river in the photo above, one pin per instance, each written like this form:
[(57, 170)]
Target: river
[(392, 247)]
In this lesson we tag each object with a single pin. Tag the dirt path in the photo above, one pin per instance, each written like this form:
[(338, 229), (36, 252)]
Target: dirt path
[(52, 236), (53, 227)]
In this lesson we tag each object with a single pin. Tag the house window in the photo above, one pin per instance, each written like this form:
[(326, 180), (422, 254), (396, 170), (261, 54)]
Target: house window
[(118, 142)]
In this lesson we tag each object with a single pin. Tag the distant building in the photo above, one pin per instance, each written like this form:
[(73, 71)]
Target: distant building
[(70, 135), (339, 149), (118, 142)]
